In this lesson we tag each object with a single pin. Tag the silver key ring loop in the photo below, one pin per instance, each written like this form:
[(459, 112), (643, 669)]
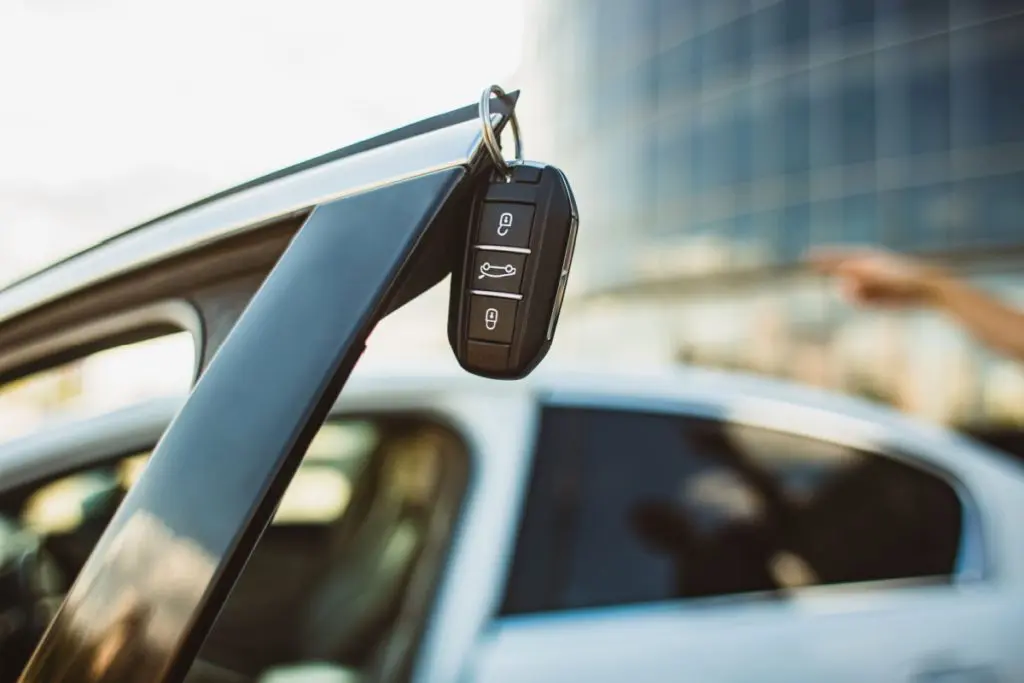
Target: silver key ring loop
[(491, 142)]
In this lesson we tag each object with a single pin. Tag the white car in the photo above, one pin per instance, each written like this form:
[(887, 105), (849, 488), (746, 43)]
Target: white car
[(590, 526)]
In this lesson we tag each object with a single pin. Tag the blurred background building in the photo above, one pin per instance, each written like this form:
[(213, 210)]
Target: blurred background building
[(712, 142)]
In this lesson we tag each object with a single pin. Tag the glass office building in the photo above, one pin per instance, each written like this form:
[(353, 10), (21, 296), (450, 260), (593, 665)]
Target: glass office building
[(712, 142)]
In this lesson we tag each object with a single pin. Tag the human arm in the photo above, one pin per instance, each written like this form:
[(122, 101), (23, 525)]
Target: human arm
[(882, 279)]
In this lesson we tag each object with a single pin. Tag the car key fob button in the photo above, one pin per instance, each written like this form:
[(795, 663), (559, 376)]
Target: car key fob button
[(487, 355), (491, 318), (506, 224), (498, 271)]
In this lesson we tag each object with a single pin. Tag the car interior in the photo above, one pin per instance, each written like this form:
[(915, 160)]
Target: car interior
[(372, 507)]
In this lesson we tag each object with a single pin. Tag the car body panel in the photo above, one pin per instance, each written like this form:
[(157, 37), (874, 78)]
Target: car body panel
[(846, 635)]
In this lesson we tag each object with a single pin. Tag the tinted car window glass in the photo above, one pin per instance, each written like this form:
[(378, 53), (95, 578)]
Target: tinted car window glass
[(857, 516), (666, 508), (553, 491)]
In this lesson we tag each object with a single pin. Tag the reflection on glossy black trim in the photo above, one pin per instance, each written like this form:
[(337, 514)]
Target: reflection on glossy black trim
[(155, 582)]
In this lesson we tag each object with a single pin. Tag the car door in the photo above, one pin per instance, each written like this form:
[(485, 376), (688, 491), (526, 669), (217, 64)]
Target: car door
[(281, 282), (657, 543)]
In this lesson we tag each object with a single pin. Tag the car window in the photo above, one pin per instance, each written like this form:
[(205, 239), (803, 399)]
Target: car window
[(340, 585), (98, 383), (318, 494), (320, 491), (72, 510), (367, 512), (66, 505), (653, 507)]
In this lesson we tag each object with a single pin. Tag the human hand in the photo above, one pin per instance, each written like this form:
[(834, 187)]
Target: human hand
[(876, 277)]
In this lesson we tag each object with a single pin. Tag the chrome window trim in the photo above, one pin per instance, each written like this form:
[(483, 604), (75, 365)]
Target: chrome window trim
[(677, 607), (973, 563), (65, 447), (248, 209)]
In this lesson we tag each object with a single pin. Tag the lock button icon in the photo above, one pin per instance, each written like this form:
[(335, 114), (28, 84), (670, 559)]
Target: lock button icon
[(491, 318)]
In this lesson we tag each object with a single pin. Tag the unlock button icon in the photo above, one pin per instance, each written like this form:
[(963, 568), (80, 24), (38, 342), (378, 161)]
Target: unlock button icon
[(491, 319)]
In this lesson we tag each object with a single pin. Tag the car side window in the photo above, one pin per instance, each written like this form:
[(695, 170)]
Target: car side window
[(98, 383), (655, 507), (363, 526), (71, 511)]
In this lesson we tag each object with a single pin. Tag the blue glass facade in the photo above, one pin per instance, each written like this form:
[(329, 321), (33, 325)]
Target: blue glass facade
[(766, 127), (712, 142)]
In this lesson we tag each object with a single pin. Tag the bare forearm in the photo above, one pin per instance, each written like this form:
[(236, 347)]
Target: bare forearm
[(991, 321)]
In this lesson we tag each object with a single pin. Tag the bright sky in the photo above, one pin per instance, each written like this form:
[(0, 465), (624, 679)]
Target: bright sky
[(113, 111)]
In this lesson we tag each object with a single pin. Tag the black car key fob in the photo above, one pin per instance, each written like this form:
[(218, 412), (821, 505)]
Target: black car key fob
[(507, 292)]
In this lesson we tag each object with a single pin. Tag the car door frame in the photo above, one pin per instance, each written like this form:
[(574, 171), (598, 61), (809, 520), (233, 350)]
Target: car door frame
[(885, 438), (376, 232)]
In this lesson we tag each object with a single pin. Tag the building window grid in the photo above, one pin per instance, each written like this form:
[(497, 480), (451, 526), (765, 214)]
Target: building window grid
[(827, 50), (892, 112), (969, 170), (888, 30)]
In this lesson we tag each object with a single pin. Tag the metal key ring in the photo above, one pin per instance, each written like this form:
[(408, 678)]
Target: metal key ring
[(490, 138)]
